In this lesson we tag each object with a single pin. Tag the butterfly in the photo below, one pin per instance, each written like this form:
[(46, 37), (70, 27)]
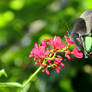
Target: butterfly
[(81, 32)]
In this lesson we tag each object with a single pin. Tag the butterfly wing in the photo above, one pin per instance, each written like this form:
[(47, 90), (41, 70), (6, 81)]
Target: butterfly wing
[(88, 43)]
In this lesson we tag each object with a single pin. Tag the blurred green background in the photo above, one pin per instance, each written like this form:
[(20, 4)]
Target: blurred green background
[(25, 22)]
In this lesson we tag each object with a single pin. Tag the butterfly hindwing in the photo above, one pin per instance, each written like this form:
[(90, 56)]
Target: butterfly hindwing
[(88, 43)]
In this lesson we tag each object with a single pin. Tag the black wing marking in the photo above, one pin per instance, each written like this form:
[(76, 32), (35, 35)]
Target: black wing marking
[(79, 26)]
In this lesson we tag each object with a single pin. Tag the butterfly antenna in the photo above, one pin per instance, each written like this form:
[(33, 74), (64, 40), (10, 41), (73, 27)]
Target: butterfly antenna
[(67, 29), (67, 26), (68, 33)]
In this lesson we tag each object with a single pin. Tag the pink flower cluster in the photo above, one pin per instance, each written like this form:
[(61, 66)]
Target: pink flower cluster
[(46, 54)]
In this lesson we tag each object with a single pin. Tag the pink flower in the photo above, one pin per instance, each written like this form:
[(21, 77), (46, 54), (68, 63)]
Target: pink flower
[(58, 60), (43, 42), (58, 69), (48, 54), (38, 52), (67, 54), (49, 61), (34, 59), (62, 64), (45, 65), (59, 57), (56, 43), (47, 72), (69, 41), (77, 53), (37, 62)]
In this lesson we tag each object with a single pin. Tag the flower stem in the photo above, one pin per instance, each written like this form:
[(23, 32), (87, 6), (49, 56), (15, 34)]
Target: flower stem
[(32, 76)]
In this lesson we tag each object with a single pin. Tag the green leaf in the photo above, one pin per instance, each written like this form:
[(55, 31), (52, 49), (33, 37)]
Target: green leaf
[(45, 36), (10, 84), (71, 47), (88, 43), (2, 72)]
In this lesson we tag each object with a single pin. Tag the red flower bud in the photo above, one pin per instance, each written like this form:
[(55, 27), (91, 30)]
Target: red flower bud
[(58, 69), (47, 72), (62, 64), (67, 56), (69, 41), (37, 62)]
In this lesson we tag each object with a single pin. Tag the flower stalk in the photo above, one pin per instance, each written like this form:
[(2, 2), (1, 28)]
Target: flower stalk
[(32, 76)]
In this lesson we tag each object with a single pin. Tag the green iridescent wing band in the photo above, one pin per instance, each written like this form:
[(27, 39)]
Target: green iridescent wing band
[(88, 43)]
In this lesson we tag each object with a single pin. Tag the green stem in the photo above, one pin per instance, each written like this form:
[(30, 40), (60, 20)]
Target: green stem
[(32, 76), (51, 57), (11, 84), (60, 50)]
